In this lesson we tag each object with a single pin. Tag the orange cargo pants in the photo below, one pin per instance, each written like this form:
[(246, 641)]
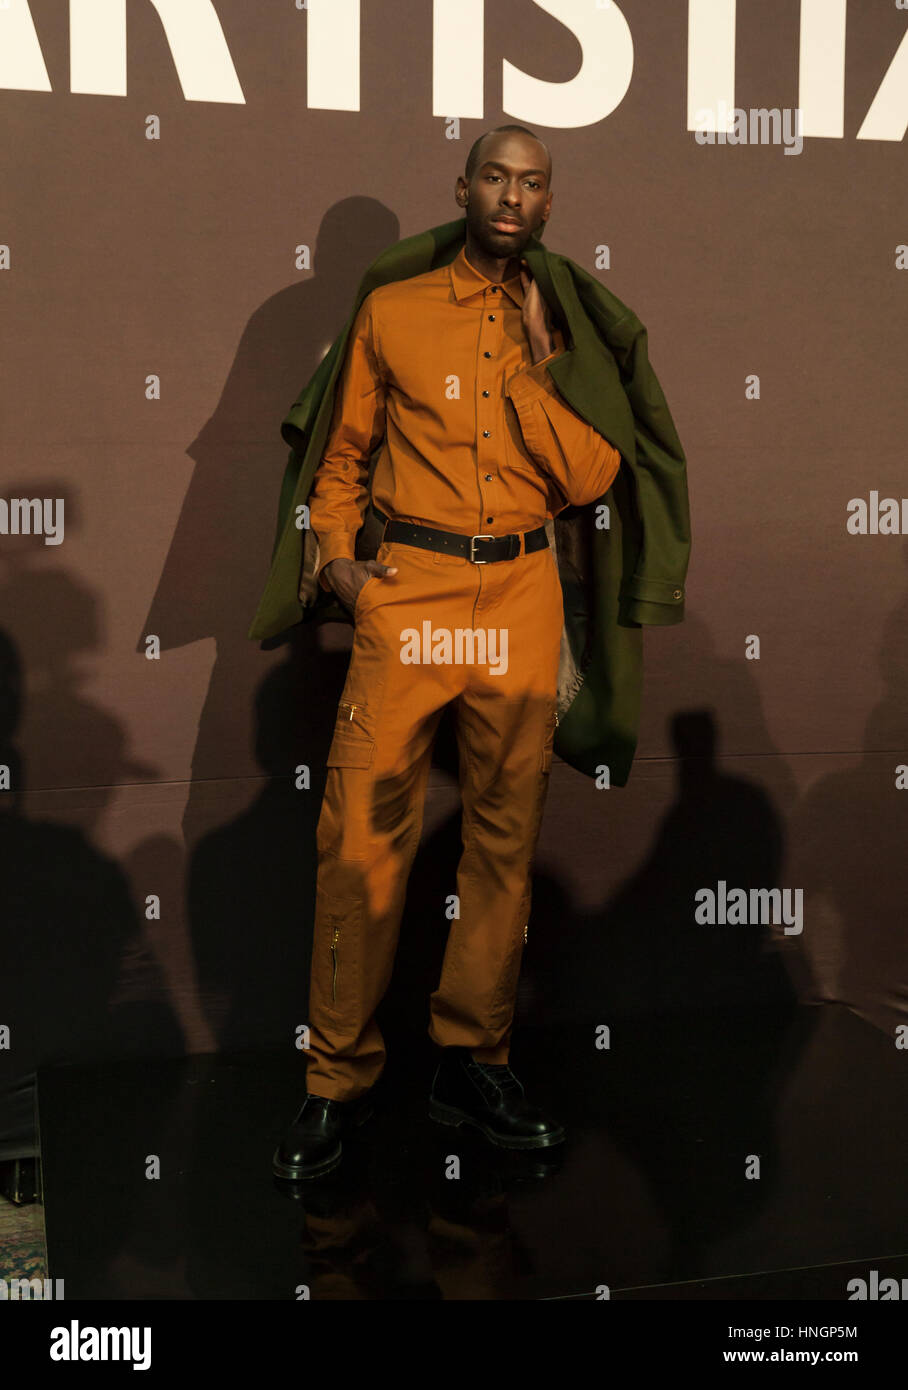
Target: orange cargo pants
[(377, 768)]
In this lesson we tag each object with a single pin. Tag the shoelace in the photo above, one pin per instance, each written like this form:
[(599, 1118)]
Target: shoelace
[(501, 1074)]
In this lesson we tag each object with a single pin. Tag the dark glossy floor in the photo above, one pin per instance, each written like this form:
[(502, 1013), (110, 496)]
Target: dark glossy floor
[(648, 1197)]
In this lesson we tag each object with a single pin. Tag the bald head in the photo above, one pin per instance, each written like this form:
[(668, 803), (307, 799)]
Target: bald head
[(480, 147)]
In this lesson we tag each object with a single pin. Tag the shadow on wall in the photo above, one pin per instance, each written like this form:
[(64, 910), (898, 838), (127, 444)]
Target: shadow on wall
[(70, 934), (847, 839)]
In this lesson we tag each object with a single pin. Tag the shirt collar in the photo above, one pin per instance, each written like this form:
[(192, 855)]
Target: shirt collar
[(466, 280)]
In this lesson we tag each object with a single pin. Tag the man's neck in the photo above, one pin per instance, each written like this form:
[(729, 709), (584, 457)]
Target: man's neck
[(494, 268)]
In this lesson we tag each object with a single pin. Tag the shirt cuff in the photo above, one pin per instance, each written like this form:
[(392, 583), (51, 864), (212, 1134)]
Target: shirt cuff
[(534, 381), (336, 545)]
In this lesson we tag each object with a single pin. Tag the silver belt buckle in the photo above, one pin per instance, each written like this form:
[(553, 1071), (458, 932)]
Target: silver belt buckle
[(473, 539)]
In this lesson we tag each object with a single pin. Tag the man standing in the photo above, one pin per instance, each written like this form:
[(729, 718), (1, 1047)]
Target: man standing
[(447, 373)]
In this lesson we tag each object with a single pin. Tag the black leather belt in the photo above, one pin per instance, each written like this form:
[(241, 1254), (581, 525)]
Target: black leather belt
[(481, 549)]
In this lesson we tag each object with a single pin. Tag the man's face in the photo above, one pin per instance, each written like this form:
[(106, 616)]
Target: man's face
[(511, 183)]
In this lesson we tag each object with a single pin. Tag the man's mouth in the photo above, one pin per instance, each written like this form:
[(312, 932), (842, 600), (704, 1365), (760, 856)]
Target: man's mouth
[(506, 224)]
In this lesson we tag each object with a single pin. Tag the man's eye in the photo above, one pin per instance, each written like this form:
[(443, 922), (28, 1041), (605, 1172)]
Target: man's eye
[(534, 183)]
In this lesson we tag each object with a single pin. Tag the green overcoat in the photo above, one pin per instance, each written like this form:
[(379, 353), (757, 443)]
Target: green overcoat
[(622, 559)]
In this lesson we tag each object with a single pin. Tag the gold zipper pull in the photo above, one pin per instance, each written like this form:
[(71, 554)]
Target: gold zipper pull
[(334, 957)]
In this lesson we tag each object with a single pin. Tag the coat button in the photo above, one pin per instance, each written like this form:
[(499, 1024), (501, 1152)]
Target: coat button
[(487, 354), (486, 434), (488, 477), (491, 318), (485, 393), (676, 593)]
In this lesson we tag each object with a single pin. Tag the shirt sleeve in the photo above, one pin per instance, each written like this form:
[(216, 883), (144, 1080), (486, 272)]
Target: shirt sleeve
[(580, 460), (340, 488)]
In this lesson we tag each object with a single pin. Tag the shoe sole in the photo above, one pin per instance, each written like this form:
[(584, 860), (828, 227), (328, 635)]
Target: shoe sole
[(448, 1115), (297, 1174)]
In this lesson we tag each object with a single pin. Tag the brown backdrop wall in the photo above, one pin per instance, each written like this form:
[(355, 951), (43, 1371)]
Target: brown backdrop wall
[(138, 782)]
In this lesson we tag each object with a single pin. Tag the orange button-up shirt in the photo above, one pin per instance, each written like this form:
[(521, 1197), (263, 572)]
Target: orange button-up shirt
[(476, 437)]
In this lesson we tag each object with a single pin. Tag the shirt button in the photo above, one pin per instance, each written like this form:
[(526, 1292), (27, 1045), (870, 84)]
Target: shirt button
[(487, 354), (485, 434)]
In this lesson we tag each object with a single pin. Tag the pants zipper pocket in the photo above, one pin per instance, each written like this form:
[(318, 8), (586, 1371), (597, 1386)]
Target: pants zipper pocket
[(334, 959)]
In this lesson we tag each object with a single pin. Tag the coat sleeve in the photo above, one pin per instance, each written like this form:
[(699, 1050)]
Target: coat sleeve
[(580, 460), (340, 488), (655, 592)]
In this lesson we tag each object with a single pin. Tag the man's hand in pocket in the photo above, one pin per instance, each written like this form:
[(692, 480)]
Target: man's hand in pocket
[(346, 577)]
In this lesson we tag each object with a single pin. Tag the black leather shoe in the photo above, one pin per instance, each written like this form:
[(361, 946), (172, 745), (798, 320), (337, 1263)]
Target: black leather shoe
[(312, 1145), (492, 1099)]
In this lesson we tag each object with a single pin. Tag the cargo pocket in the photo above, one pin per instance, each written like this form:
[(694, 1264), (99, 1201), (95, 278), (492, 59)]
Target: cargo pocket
[(336, 972), (341, 968), (350, 750), (352, 744), (345, 822)]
